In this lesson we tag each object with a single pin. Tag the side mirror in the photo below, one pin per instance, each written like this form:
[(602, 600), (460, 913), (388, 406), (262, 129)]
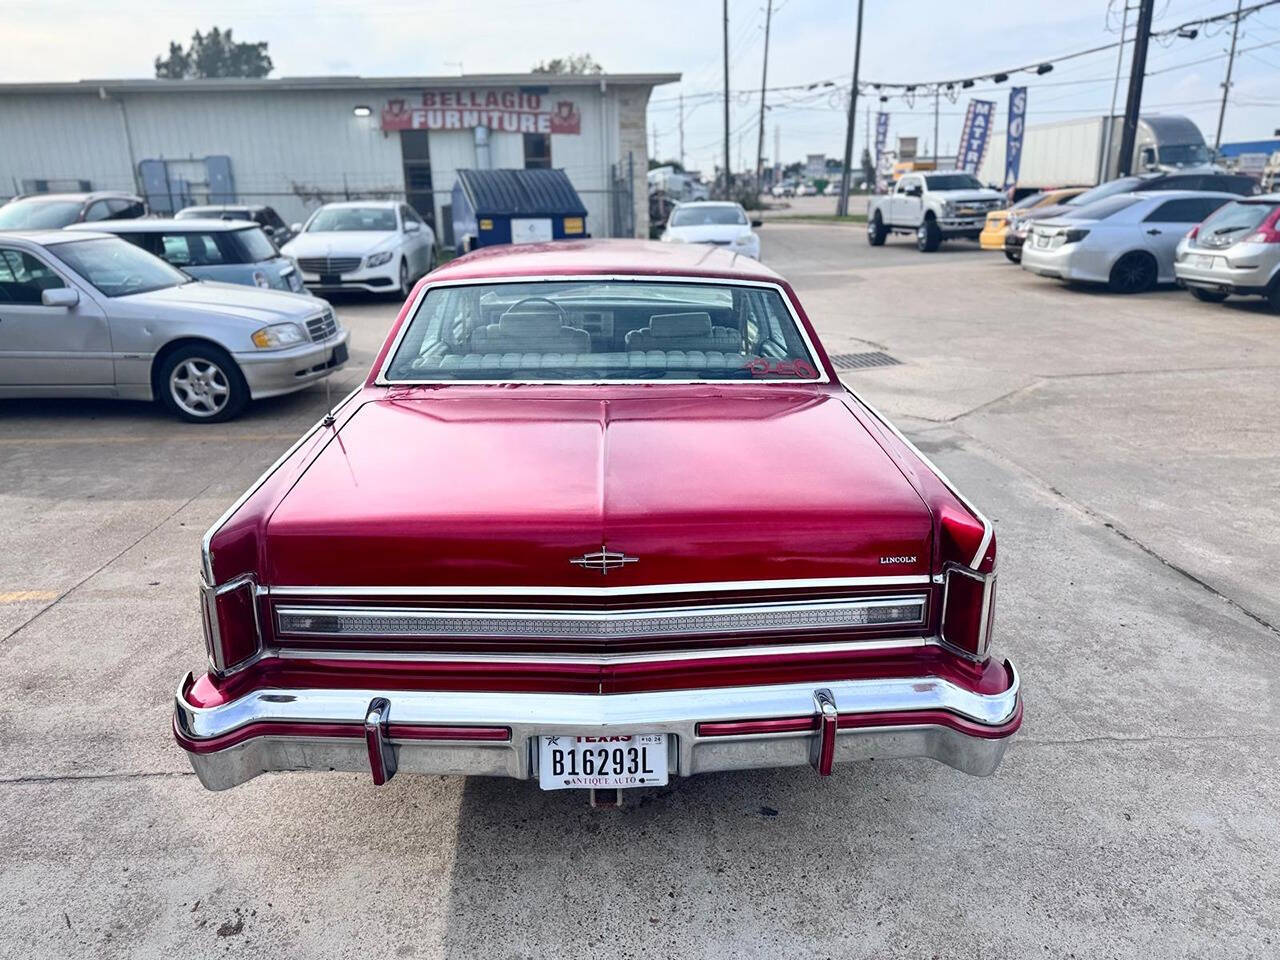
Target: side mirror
[(757, 223), (412, 226), (295, 227), (60, 297), (269, 231)]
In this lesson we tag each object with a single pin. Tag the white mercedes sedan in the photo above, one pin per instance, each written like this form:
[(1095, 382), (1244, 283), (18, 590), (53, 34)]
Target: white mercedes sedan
[(722, 223), (379, 246), (91, 315)]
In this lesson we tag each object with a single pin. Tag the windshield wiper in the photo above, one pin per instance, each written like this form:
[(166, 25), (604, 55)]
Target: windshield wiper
[(1221, 230)]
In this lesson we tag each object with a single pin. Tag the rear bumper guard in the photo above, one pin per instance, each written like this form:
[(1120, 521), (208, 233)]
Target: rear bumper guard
[(495, 734)]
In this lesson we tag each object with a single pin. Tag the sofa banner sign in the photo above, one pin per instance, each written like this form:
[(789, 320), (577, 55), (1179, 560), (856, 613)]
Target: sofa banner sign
[(1013, 139), (506, 111)]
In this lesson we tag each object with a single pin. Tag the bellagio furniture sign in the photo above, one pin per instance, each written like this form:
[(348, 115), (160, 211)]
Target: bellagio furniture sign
[(510, 111)]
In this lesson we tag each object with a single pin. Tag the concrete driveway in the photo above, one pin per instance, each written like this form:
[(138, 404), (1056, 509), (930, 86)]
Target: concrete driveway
[(1126, 449)]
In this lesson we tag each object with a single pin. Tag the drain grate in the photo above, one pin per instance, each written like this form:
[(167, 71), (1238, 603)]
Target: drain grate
[(855, 361)]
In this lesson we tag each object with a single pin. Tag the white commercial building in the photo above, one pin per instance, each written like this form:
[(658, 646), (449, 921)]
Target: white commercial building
[(296, 142)]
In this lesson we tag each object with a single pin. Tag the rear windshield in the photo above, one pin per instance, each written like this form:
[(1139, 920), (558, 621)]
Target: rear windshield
[(1100, 209), (1234, 219), (1122, 185), (602, 330), (37, 214)]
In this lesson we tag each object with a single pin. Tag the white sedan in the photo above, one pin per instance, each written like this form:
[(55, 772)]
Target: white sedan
[(724, 224), (1126, 241), (380, 246)]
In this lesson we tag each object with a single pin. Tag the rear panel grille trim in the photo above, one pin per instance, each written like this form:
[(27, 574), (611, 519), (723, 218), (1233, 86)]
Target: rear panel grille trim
[(321, 622)]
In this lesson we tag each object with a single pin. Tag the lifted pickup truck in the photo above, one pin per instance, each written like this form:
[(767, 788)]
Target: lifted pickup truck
[(933, 206)]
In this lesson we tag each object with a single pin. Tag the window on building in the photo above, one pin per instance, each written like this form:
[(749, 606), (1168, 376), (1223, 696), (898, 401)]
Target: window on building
[(415, 153), (537, 151)]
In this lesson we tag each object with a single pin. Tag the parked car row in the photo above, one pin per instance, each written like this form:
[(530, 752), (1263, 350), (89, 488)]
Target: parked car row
[(1213, 236)]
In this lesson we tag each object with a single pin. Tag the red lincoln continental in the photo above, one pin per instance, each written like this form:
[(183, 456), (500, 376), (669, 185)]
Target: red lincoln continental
[(602, 513)]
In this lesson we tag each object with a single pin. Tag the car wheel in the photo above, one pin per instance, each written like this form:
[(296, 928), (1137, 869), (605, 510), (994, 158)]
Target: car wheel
[(200, 383), (1013, 257), (404, 278), (1208, 296), (928, 236), (1133, 273), (876, 231), (1273, 295)]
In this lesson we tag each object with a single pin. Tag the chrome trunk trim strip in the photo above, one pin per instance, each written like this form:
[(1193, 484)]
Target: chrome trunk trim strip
[(807, 615), (723, 586)]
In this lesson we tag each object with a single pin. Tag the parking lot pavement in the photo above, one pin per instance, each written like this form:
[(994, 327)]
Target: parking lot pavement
[(1126, 451)]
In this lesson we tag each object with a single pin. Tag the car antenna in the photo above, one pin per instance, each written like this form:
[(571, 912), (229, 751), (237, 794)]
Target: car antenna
[(329, 418)]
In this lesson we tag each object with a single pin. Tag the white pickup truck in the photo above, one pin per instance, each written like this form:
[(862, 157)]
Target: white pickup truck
[(933, 206)]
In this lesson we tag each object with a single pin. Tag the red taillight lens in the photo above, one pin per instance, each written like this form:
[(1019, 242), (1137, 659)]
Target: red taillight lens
[(968, 605), (230, 615), (1268, 231), (1193, 232)]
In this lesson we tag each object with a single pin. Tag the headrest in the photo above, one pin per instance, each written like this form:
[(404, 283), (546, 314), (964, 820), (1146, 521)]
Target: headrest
[(530, 321), (695, 324)]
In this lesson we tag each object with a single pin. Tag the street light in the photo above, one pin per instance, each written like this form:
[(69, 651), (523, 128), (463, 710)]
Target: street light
[(362, 111)]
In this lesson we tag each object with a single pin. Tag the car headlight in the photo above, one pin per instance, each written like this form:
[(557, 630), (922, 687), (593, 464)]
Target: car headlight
[(378, 259), (743, 240), (948, 208), (278, 335)]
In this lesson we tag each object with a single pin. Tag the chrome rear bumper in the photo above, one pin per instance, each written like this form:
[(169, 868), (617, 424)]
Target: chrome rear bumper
[(495, 734)]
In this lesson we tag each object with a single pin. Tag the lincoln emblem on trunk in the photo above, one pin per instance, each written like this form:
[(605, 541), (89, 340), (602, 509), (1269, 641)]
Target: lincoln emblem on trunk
[(603, 560)]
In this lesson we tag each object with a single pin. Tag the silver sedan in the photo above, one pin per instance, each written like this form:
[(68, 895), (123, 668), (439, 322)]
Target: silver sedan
[(91, 315), (1126, 241)]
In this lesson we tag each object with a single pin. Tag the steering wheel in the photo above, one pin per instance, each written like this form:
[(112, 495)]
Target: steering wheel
[(512, 310)]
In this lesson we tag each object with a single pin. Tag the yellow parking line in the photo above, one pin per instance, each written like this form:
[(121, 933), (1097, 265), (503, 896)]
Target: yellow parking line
[(22, 596)]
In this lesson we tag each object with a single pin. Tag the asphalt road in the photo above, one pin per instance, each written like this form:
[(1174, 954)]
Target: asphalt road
[(1127, 451)]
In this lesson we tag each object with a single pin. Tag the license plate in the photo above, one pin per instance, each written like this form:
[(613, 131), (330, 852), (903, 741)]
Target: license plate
[(637, 760), (1042, 241), (1200, 260), (330, 278), (340, 354)]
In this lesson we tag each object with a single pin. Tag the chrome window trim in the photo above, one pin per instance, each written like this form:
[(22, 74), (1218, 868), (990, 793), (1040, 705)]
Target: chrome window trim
[(610, 659), (987, 529), (821, 583), (206, 552), (381, 380), (669, 621)]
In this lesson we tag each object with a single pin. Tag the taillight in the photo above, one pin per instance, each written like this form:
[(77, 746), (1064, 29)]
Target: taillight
[(1268, 231), (230, 614), (1193, 232), (968, 606)]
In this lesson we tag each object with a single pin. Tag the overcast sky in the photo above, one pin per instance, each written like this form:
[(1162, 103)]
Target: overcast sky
[(811, 41)]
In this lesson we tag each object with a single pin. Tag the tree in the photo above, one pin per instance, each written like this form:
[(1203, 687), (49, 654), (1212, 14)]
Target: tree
[(868, 168), (214, 54), (574, 63), (674, 164)]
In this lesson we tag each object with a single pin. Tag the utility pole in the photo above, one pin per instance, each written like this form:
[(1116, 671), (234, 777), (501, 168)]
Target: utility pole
[(842, 204), (654, 152), (728, 177), (1137, 73), (764, 77), (1109, 139), (682, 131), (1226, 86), (937, 159), (777, 151)]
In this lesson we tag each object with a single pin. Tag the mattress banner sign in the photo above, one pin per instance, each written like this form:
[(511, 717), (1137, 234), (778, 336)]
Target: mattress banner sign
[(507, 111), (882, 165), (1013, 136), (974, 134)]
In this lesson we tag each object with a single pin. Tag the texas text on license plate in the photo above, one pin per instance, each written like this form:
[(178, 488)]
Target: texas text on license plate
[(634, 760)]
